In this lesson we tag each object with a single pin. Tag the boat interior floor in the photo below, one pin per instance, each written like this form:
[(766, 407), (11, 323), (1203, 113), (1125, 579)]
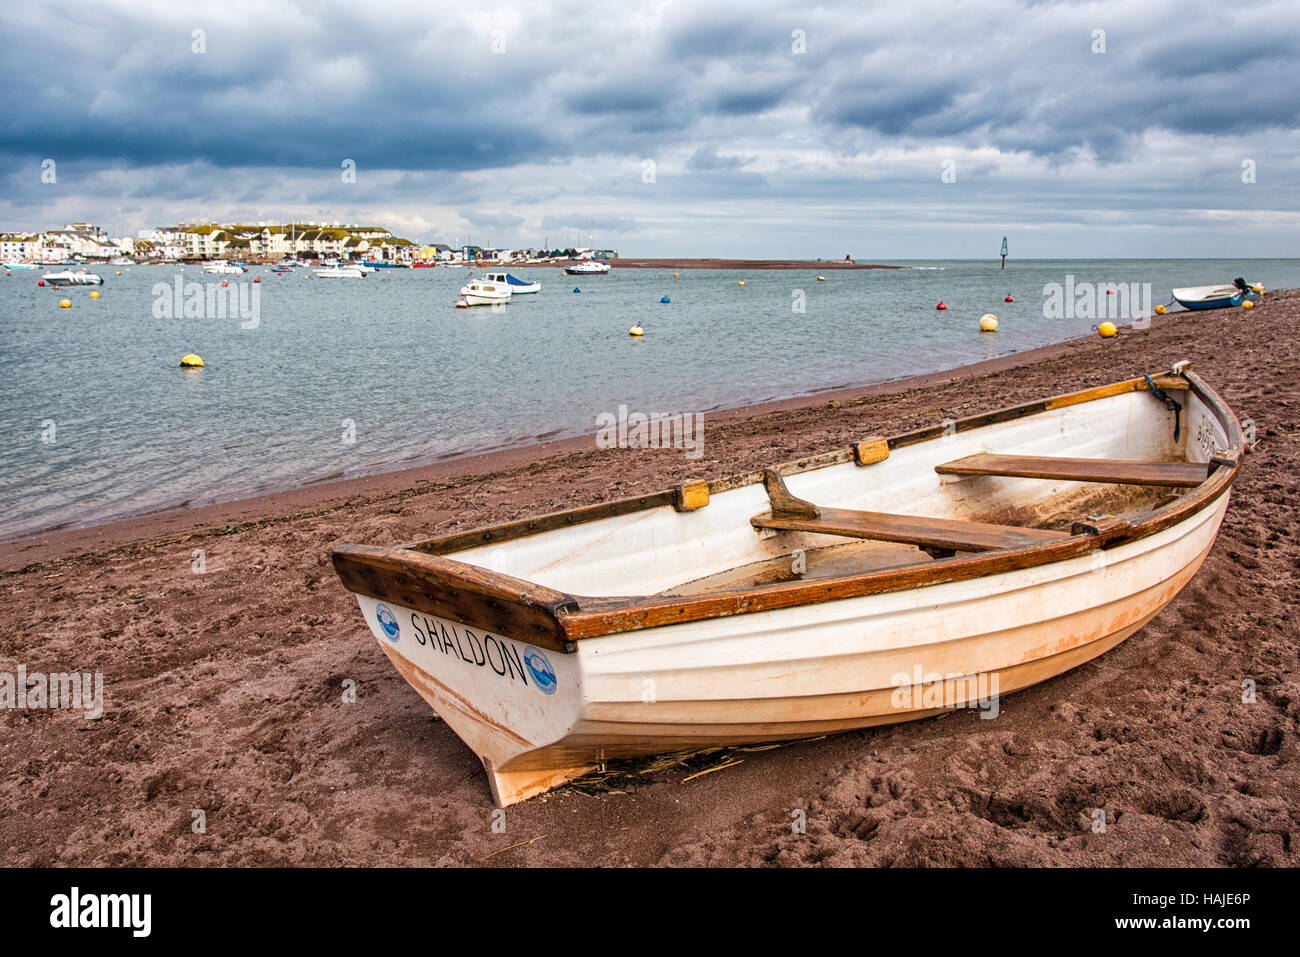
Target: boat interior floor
[(877, 541)]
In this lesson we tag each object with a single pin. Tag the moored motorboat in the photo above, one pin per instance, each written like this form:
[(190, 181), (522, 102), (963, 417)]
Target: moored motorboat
[(480, 292), (880, 583), (222, 268), (341, 272), (589, 267), (518, 287), (1214, 297), (69, 278)]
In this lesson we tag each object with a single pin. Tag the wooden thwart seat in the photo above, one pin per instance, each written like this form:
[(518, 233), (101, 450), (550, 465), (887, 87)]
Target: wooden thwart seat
[(796, 515), (1118, 471)]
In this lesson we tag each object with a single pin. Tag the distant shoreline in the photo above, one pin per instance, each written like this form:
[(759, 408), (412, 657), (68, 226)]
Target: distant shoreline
[(739, 264)]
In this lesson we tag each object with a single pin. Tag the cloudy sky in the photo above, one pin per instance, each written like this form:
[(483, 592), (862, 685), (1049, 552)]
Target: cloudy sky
[(888, 131)]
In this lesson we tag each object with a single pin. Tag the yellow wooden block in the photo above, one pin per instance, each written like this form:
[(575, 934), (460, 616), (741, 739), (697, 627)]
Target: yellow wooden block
[(870, 451), (692, 495)]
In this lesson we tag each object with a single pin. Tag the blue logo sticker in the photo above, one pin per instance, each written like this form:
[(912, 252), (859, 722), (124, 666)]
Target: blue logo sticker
[(543, 673), (388, 622)]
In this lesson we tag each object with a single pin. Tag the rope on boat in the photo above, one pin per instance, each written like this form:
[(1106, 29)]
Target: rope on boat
[(1170, 404)]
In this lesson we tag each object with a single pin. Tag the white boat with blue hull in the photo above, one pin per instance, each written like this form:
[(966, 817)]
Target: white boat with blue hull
[(1215, 297), (517, 286)]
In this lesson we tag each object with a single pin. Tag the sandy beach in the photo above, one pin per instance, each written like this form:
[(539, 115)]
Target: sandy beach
[(224, 691)]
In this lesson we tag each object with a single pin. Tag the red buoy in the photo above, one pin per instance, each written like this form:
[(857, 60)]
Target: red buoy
[(224, 283), (942, 305), (1008, 299), (257, 279), (1110, 292), (40, 282)]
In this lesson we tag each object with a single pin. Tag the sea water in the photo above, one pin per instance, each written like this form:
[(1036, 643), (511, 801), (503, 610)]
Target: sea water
[(336, 378)]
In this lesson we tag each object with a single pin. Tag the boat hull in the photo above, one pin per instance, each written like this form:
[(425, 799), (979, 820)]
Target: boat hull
[(1224, 303), (785, 674), (746, 629), (1212, 297)]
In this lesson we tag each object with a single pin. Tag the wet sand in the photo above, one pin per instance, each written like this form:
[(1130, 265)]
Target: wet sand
[(224, 690)]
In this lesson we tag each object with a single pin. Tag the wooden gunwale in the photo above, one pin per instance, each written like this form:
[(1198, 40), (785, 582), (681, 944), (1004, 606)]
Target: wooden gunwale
[(576, 617)]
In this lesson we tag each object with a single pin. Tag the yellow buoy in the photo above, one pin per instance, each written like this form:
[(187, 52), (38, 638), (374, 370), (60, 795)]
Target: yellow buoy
[(740, 283), (1257, 288), (191, 361), (988, 322), (821, 278), (119, 272), (636, 330), (1160, 310), (1106, 330), (65, 303), (674, 275), (95, 294), (1247, 305)]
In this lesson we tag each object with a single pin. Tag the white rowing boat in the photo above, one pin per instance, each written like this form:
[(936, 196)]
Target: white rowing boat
[(935, 569), (1214, 297)]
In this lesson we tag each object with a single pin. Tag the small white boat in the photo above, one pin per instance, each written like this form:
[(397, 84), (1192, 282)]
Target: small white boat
[(888, 581), (121, 261), (341, 272), (518, 287), (1214, 297), (219, 268), (70, 278), (589, 268), (482, 293)]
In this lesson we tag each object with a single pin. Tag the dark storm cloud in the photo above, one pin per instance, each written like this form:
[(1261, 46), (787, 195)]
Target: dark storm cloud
[(426, 92), (736, 101)]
